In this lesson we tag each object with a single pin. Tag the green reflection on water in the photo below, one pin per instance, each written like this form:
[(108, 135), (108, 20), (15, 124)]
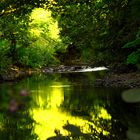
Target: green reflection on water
[(64, 106), (50, 117), (48, 98)]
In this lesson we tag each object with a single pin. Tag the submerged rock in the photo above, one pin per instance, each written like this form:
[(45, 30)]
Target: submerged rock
[(131, 95), (133, 135)]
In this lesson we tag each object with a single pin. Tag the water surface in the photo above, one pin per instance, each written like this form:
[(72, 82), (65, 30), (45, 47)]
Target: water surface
[(66, 106)]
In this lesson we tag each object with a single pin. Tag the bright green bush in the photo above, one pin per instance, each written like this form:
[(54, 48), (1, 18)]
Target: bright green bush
[(31, 41), (35, 57), (44, 40)]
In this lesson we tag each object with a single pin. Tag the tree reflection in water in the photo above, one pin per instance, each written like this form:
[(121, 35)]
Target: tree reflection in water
[(66, 108), (15, 119), (94, 108)]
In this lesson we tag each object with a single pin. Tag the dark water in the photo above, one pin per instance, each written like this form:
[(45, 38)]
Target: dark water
[(66, 107)]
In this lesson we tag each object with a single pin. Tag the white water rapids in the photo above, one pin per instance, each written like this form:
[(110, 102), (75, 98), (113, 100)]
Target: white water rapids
[(89, 69)]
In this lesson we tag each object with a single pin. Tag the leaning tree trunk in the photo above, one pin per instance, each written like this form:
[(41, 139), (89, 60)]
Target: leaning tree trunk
[(13, 53)]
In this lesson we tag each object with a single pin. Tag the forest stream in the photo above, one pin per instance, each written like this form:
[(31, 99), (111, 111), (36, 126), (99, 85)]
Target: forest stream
[(51, 86), (66, 106)]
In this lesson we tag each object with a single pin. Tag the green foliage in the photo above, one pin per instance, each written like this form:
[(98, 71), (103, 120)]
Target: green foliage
[(99, 30), (87, 24), (134, 56), (20, 7), (5, 61), (30, 57), (33, 41), (135, 42), (132, 44), (14, 30), (44, 40), (76, 21), (35, 57)]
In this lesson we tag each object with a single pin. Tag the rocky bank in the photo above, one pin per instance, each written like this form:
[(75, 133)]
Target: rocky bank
[(127, 80), (112, 79)]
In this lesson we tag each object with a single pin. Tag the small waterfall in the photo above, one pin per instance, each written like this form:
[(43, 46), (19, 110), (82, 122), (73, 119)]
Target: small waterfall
[(89, 69)]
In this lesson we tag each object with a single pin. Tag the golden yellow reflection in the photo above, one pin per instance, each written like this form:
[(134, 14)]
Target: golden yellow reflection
[(49, 117), (104, 114), (57, 96)]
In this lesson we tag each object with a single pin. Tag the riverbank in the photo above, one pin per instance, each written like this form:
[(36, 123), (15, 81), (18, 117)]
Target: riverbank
[(119, 77), (112, 79), (126, 80)]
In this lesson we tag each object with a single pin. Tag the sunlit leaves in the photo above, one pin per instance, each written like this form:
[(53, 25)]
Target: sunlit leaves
[(43, 23), (96, 28), (35, 36), (44, 40)]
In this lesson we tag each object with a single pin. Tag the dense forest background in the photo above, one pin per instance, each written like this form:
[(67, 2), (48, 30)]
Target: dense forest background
[(40, 33)]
